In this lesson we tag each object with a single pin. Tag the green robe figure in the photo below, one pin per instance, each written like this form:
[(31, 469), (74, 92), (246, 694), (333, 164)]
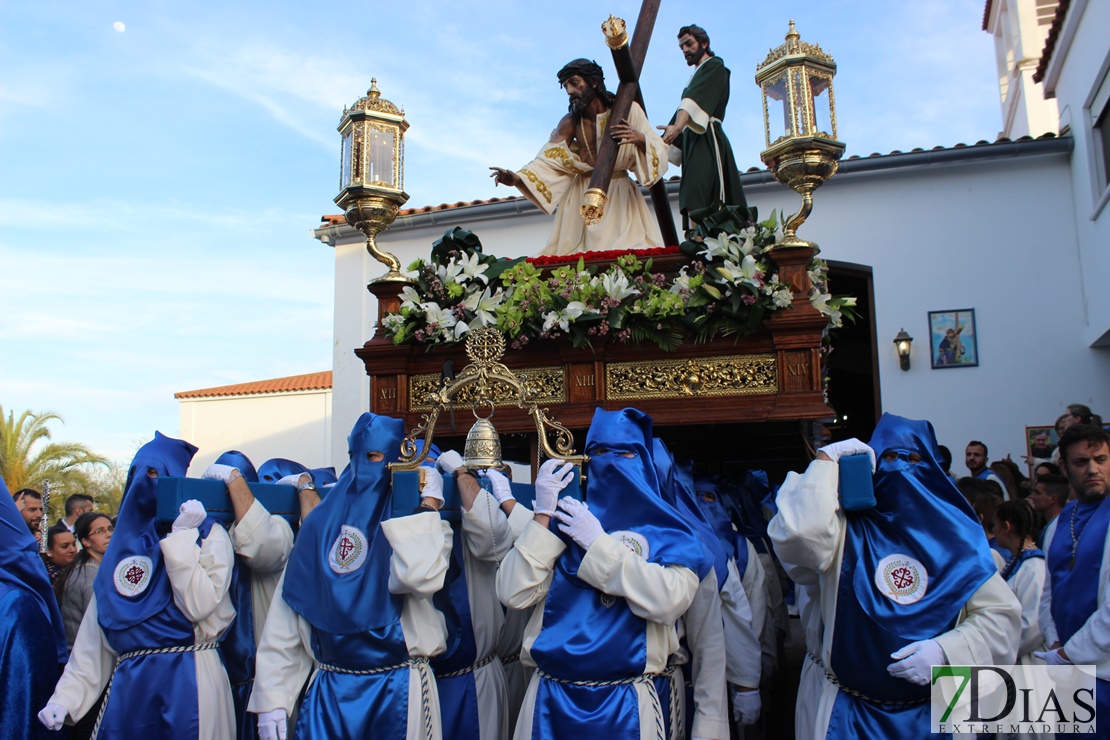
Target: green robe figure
[(709, 173)]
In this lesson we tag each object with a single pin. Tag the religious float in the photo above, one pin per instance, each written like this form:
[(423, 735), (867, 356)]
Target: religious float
[(722, 339)]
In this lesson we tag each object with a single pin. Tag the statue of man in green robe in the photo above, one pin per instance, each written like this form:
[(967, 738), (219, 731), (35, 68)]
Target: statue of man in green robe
[(698, 143)]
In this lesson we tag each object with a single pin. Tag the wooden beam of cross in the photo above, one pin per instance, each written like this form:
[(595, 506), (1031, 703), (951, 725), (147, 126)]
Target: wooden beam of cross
[(629, 60)]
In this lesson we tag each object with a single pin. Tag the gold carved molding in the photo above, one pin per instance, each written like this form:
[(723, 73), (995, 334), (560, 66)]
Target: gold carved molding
[(548, 384), (732, 375)]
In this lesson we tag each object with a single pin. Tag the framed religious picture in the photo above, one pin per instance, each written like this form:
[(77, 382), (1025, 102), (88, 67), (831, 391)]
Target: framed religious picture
[(952, 341), (1040, 442)]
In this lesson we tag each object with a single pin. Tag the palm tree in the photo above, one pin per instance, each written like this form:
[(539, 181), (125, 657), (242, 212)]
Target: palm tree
[(28, 457)]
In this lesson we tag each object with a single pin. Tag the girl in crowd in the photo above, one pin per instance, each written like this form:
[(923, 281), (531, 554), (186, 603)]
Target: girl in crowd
[(74, 585), (1015, 528)]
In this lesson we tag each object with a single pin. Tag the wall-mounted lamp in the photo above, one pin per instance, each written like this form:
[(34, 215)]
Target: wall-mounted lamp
[(902, 342)]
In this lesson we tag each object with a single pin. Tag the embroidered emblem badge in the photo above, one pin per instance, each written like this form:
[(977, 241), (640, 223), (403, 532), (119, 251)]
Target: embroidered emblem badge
[(634, 541), (901, 579), (132, 575), (348, 552)]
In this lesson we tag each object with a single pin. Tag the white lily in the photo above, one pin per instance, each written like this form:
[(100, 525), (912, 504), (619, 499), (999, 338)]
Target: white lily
[(472, 269), (617, 286), (563, 318), (741, 274), (448, 273), (682, 282), (483, 305), (409, 297), (441, 317), (715, 246)]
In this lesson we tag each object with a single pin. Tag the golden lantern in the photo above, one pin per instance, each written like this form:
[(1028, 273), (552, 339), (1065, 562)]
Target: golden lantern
[(372, 178), (799, 120)]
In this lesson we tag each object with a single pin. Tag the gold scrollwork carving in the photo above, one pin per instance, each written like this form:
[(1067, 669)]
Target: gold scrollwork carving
[(547, 383), (562, 155), (732, 375), (540, 186)]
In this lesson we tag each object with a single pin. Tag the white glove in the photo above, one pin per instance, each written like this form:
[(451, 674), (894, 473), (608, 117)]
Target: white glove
[(190, 515), (746, 705), (448, 461), (1052, 657), (578, 521), (216, 471), (293, 479), (433, 486), (915, 661), (502, 491), (53, 716), (272, 725), (853, 446), (549, 483)]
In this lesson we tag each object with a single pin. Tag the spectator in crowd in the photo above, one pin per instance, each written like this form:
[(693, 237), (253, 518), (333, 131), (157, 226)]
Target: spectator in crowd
[(1076, 601), (353, 613), (1014, 529), (74, 589), (61, 549), (963, 615), (1080, 414), (975, 457), (29, 503), (1049, 495), (1045, 468), (986, 504), (31, 635), (76, 505), (1007, 471), (945, 461), (160, 605)]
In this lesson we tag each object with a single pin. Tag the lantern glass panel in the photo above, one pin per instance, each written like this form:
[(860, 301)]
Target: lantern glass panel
[(777, 111), (801, 104), (345, 171), (820, 87), (357, 156), (381, 165)]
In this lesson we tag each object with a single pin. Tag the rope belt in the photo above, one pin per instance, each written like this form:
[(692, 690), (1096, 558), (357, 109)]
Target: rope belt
[(420, 664), (511, 659), (138, 654), (644, 678), (852, 692), (470, 668)]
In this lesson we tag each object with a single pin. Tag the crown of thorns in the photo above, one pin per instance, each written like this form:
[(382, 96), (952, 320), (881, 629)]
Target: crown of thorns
[(585, 68)]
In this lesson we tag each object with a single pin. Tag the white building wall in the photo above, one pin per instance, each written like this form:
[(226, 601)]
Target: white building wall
[(1018, 41), (995, 236), (297, 426), (1080, 63)]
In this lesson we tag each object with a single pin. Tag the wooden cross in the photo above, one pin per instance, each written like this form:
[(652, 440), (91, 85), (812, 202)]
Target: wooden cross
[(629, 60)]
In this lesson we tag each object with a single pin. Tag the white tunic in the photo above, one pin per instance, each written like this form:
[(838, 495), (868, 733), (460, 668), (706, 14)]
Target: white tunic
[(200, 578), (1028, 584), (808, 535), (1090, 645), (657, 594), (704, 628), (421, 547)]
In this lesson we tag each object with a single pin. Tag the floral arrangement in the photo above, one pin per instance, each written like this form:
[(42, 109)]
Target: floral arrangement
[(729, 287)]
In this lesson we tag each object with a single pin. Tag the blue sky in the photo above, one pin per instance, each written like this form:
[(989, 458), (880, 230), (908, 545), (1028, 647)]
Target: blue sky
[(158, 184)]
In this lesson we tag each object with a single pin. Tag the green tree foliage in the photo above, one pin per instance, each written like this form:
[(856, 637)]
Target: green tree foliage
[(28, 458)]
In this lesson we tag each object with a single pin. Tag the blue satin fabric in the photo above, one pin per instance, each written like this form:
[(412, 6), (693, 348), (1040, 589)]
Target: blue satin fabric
[(359, 600), (586, 634), (852, 718), (453, 601), (1075, 590), (1006, 554), (238, 649), (237, 459), (918, 513), (154, 695), (135, 534), (565, 712), (1015, 564), (277, 468), (28, 665), (458, 707), (22, 569), (682, 501), (340, 705)]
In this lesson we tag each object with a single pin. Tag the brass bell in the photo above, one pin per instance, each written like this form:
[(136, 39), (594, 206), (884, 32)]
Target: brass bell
[(483, 446)]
